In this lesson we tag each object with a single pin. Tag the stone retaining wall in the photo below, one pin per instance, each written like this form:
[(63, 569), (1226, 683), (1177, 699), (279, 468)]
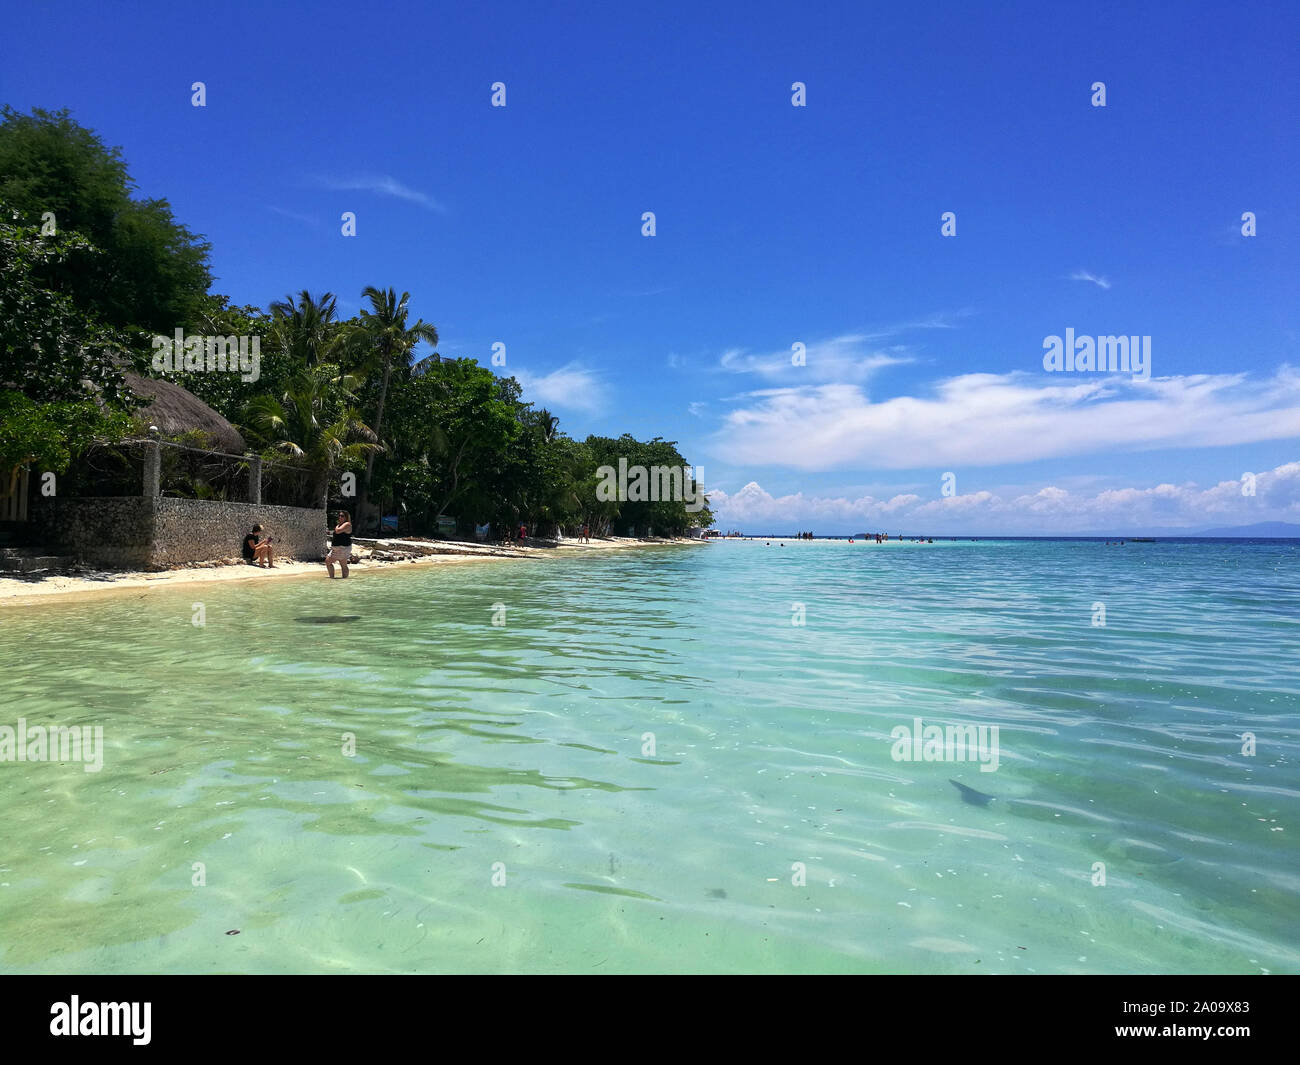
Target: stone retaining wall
[(110, 531), (199, 530), (141, 533)]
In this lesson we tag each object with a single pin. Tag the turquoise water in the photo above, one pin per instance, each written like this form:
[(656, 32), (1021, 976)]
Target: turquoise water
[(519, 753)]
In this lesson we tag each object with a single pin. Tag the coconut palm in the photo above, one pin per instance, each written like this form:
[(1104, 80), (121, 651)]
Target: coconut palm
[(392, 340), (548, 425), (307, 329), (314, 421)]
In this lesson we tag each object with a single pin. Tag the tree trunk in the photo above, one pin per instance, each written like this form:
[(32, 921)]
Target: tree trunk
[(455, 480), (363, 506), (321, 489)]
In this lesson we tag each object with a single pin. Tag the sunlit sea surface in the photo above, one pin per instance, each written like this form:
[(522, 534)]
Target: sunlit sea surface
[(650, 767)]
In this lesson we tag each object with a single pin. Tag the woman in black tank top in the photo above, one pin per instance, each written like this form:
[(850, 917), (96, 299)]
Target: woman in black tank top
[(340, 544)]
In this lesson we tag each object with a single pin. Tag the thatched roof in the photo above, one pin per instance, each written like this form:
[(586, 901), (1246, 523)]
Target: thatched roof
[(176, 411)]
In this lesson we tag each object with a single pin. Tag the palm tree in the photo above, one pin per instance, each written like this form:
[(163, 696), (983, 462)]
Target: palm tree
[(314, 421), (393, 341), (548, 425), (307, 330)]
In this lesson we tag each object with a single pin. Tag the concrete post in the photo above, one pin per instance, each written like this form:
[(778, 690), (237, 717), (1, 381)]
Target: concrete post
[(151, 490), (255, 479), (152, 469)]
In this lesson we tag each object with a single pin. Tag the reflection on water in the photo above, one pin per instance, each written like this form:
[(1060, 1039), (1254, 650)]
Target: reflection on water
[(650, 768)]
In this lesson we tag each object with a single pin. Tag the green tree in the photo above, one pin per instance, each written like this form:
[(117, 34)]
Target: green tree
[(50, 350), (392, 340), (453, 440), (313, 422), (307, 330), (50, 435), (228, 393), (639, 516), (61, 381), (153, 273)]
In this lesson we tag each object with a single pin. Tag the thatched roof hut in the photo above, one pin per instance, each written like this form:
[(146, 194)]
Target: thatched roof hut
[(175, 411)]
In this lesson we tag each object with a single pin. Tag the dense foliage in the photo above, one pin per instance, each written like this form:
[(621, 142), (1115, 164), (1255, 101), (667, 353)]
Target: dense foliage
[(54, 359), (379, 430), (152, 273)]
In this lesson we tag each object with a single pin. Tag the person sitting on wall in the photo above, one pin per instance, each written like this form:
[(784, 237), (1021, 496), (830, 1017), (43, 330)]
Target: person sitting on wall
[(258, 550), (340, 545)]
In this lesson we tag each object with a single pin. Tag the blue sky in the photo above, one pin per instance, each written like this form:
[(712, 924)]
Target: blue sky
[(776, 225)]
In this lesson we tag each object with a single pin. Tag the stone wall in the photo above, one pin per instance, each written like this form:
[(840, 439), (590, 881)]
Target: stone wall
[(114, 531), (199, 530), (141, 533)]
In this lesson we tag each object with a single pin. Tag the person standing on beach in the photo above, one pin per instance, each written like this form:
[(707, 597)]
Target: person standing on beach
[(340, 545), (586, 534)]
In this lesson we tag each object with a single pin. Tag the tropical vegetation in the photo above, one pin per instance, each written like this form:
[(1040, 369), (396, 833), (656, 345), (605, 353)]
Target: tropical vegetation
[(90, 273)]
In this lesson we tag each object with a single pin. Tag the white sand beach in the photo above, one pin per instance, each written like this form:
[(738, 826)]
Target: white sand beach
[(90, 583)]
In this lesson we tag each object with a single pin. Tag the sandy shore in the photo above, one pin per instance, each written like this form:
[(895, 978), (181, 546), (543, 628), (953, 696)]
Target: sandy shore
[(90, 583)]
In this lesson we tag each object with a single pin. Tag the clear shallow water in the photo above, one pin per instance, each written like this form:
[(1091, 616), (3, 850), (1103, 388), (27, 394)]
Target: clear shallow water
[(523, 745)]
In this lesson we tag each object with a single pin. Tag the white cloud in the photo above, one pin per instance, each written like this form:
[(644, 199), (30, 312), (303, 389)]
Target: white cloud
[(1048, 510), (979, 420), (306, 219), (850, 357), (569, 388), (1084, 275), (382, 185), (753, 507), (842, 358)]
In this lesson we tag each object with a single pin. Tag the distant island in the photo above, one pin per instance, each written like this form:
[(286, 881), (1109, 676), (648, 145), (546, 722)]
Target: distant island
[(1261, 529)]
